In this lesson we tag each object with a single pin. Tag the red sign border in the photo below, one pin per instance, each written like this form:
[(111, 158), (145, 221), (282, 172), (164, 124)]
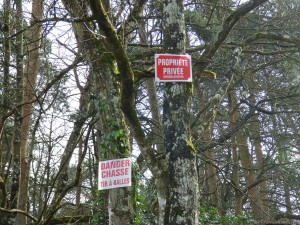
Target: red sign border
[(190, 79)]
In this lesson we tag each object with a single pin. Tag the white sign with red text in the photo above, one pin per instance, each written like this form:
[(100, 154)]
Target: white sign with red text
[(170, 68), (114, 173)]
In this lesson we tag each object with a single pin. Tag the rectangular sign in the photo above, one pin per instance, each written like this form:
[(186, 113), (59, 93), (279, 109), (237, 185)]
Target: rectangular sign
[(114, 173), (170, 68)]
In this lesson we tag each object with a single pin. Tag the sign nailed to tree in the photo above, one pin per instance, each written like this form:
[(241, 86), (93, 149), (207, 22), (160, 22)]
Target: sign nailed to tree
[(114, 173), (170, 68)]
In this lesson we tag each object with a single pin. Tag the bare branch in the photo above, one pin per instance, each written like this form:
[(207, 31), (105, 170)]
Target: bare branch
[(15, 211)]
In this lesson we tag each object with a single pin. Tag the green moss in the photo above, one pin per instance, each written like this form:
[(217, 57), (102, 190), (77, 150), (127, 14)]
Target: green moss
[(189, 89), (191, 146)]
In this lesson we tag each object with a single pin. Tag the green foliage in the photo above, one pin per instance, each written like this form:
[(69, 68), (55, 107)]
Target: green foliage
[(200, 25), (290, 165), (100, 215), (210, 215), (113, 139), (103, 106), (144, 198), (136, 199)]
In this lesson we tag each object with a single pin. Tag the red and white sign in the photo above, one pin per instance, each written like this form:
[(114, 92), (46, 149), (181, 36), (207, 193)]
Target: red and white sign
[(170, 68), (114, 173)]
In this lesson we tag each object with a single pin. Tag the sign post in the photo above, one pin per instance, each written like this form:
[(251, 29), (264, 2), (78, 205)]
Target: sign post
[(114, 173), (172, 68)]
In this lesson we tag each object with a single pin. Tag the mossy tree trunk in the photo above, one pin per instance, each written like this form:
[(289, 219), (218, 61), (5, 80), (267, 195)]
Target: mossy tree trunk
[(183, 184), (106, 99)]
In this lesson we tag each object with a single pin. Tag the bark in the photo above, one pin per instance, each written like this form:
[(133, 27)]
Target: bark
[(6, 60), (287, 198), (29, 82), (235, 178), (78, 189), (156, 116), (158, 168), (5, 104), (183, 183), (127, 86), (161, 180), (157, 130), (234, 114), (207, 120), (247, 163), (263, 186), (17, 114), (111, 118)]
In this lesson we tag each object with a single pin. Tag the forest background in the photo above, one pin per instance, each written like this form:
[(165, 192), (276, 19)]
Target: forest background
[(77, 87)]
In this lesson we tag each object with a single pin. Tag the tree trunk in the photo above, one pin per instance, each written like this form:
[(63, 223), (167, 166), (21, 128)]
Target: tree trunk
[(105, 89), (234, 114), (287, 198), (78, 189), (208, 119), (183, 184), (29, 82), (263, 186), (5, 105), (17, 116), (157, 130), (247, 162)]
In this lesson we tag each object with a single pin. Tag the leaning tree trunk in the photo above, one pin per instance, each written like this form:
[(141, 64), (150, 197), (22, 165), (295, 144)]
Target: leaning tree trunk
[(183, 189)]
